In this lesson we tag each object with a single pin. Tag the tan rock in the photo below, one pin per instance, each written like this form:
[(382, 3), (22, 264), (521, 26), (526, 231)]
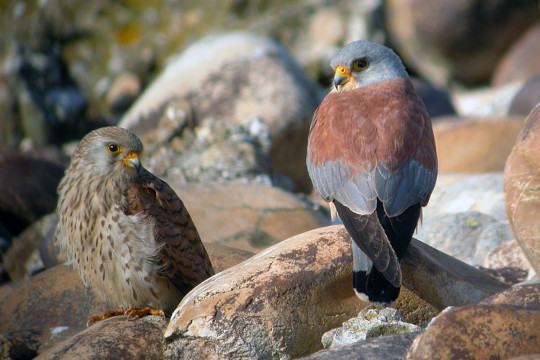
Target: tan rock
[(54, 305), (444, 281), (520, 295), (521, 184), (475, 145), (47, 308), (279, 302), (479, 332), (249, 217), (114, 338)]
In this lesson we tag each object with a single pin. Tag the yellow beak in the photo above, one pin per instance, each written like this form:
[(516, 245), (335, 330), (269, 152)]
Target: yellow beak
[(341, 76), (132, 160)]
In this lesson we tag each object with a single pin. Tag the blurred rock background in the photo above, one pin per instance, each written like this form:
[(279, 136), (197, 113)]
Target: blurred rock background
[(222, 95)]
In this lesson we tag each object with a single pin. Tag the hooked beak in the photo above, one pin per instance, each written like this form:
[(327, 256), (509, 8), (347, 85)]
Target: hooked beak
[(132, 160), (341, 77)]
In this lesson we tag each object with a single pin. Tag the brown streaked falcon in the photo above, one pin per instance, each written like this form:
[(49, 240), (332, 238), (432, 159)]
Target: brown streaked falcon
[(371, 154), (126, 231)]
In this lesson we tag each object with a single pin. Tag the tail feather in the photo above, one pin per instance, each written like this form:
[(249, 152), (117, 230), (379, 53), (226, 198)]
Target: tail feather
[(369, 236), (370, 284)]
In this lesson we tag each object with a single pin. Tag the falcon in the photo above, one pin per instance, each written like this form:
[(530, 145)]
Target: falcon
[(126, 231), (371, 154)]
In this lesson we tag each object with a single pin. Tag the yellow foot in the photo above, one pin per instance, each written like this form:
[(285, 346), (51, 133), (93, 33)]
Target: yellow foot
[(133, 313), (106, 315)]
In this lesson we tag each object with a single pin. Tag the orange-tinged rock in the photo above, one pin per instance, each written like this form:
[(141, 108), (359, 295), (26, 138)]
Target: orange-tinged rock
[(522, 188), (479, 332)]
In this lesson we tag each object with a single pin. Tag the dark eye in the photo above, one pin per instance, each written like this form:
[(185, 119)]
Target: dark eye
[(114, 149), (360, 64)]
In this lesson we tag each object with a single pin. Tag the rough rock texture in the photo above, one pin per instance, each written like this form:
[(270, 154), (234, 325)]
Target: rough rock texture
[(390, 347), (508, 261), (460, 40), (278, 303), (479, 332), (250, 217), (475, 145), (54, 305), (49, 307), (522, 61), (114, 338), (443, 280), (519, 295), (466, 216), (241, 73), (369, 323), (521, 184)]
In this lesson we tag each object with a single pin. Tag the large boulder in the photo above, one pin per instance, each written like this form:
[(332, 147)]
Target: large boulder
[(479, 332), (447, 40), (113, 338), (54, 305), (473, 145), (522, 61), (280, 302), (234, 77), (521, 184)]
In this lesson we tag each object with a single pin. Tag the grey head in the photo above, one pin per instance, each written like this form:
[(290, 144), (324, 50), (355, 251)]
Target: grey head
[(363, 63)]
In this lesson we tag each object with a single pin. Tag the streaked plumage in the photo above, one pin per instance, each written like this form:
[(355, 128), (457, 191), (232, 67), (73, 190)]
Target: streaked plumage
[(128, 234), (371, 152)]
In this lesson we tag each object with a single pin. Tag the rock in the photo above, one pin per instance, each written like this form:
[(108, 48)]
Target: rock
[(224, 257), (24, 198), (249, 217), (369, 323), (265, 306), (475, 145), (522, 61), (55, 305), (521, 295), (390, 347), (457, 193), (23, 258), (466, 216), (115, 337), (521, 184), (527, 98), (48, 308), (214, 151), (508, 261), (279, 303), (235, 85), (444, 281), (486, 102), (479, 332), (468, 236), (436, 100), (463, 41), (123, 92)]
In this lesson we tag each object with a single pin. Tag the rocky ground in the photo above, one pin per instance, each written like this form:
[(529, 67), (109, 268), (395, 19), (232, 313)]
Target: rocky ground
[(222, 95)]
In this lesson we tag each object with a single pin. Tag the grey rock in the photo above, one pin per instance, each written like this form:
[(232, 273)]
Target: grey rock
[(245, 76), (369, 323), (389, 347), (466, 216)]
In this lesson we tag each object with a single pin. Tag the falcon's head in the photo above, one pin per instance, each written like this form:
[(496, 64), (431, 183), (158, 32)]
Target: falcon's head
[(363, 63), (111, 152)]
